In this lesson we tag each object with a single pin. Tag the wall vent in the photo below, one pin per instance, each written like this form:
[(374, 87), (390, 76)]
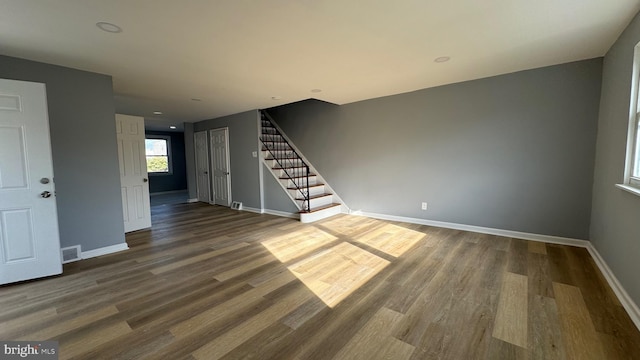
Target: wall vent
[(236, 205), (71, 254)]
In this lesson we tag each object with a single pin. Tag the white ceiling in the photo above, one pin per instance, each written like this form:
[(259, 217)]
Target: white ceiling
[(236, 55)]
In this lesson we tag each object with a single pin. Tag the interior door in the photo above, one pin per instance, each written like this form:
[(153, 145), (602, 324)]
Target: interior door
[(133, 172), (202, 166), (29, 239), (219, 139)]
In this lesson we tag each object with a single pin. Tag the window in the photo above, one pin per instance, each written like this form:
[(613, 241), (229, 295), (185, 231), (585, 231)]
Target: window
[(158, 148), (632, 168)]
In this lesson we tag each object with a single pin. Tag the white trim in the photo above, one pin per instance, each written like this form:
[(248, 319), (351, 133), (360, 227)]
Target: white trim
[(281, 213), (628, 188), (621, 293), (192, 200), (260, 156), (253, 210), (632, 135), (104, 251), (479, 229)]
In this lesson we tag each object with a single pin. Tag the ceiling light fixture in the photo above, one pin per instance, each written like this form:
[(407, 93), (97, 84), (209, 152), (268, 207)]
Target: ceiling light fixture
[(316, 90), (196, 99), (157, 112), (109, 27), (172, 127), (276, 97), (442, 59)]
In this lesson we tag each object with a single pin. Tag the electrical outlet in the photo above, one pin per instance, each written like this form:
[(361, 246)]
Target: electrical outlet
[(424, 206)]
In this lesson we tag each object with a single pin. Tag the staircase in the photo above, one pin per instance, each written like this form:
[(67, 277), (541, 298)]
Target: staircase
[(295, 175)]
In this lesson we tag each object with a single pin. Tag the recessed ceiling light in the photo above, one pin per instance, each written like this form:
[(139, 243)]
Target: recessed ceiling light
[(109, 27), (316, 90), (276, 97), (172, 127), (196, 99), (442, 59), (157, 112)]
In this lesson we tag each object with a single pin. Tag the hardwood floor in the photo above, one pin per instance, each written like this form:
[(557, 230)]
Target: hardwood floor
[(212, 283)]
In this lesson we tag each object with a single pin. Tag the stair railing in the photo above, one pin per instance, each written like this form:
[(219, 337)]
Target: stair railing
[(285, 161)]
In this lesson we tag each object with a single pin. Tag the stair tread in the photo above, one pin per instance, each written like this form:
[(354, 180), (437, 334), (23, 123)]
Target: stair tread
[(319, 208), (310, 185), (284, 158), (296, 177), (316, 196), (288, 167)]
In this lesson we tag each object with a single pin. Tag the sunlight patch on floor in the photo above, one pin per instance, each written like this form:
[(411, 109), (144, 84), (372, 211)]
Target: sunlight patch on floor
[(335, 273), (297, 243), (332, 272), (391, 239)]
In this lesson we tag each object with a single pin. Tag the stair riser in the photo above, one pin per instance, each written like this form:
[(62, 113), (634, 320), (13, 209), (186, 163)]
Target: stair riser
[(271, 162), (291, 172), (325, 200), (270, 136), (279, 151), (301, 182), (314, 190), (319, 215)]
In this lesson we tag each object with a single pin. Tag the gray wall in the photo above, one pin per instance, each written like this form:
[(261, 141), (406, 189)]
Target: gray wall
[(614, 222), (275, 197), (177, 180), (512, 152), (243, 140), (84, 148), (190, 161)]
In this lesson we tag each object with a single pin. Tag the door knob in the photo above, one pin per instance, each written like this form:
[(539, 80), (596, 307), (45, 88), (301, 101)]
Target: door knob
[(226, 173), (45, 194), (145, 180)]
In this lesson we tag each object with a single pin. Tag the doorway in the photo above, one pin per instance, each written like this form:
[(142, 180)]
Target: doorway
[(219, 147), (202, 166)]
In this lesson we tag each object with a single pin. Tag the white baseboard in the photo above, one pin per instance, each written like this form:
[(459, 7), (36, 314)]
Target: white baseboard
[(192, 200), (624, 298), (281, 213), (253, 210), (104, 251), (621, 293), (479, 229), (271, 212)]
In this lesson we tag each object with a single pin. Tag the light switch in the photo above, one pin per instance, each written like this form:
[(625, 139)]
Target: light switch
[(254, 154)]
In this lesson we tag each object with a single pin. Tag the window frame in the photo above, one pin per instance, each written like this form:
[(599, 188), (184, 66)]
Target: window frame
[(632, 183), (167, 139)]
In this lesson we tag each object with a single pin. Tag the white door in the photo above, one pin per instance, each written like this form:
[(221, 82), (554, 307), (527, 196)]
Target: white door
[(133, 172), (29, 238), (219, 139), (202, 166)]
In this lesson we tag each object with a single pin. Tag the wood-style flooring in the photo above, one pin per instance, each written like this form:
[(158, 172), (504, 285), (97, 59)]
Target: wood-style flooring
[(207, 282)]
